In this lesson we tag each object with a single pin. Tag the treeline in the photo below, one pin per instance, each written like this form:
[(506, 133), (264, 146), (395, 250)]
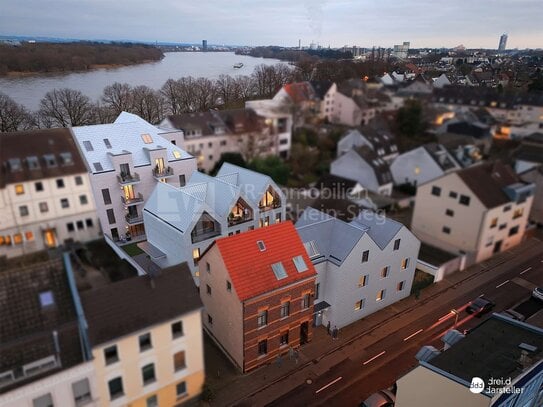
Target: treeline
[(76, 56), (293, 55)]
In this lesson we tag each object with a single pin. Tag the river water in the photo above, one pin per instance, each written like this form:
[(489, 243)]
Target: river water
[(28, 90)]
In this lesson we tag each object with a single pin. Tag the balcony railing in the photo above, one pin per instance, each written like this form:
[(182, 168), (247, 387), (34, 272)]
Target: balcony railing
[(236, 220), (132, 201), (133, 219), (163, 172), (274, 205), (201, 236), (126, 179)]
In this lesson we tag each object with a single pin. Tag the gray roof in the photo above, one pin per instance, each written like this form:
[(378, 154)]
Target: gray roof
[(380, 228)]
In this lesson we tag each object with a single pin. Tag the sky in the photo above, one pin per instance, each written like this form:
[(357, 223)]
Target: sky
[(365, 23)]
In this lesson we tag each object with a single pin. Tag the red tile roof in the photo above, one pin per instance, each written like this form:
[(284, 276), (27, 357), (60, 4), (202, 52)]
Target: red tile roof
[(250, 269), (300, 91)]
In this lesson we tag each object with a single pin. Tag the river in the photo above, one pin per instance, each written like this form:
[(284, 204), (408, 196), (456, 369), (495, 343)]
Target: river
[(29, 90)]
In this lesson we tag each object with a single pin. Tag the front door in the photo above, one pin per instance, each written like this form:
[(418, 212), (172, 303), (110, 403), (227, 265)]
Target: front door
[(304, 331)]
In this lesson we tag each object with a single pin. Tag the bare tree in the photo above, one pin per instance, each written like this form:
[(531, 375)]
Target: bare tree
[(171, 92), (205, 94), (64, 108), (102, 114), (118, 97), (148, 104), (227, 89), (13, 116), (269, 79), (245, 87)]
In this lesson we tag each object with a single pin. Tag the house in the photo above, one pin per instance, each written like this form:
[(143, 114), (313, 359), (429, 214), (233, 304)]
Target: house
[(362, 266), (448, 377), (422, 164), (535, 176), (126, 160), (441, 81), (362, 165), (182, 222), (381, 142), (46, 198), (476, 211), (258, 288), (301, 99), (458, 131), (44, 361), (346, 104), (145, 334)]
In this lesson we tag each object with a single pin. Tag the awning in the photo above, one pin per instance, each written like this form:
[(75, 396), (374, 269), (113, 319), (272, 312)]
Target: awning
[(320, 306)]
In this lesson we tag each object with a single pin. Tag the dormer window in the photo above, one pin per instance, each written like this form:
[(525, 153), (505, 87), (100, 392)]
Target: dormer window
[(261, 245), (14, 164), (88, 145), (279, 271), (299, 263), (50, 160), (33, 162), (147, 139), (66, 158)]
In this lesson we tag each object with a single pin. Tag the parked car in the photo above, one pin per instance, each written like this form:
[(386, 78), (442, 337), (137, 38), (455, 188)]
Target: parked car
[(538, 293), (511, 313), (383, 398), (479, 306)]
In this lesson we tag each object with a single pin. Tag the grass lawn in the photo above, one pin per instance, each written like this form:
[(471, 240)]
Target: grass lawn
[(132, 249)]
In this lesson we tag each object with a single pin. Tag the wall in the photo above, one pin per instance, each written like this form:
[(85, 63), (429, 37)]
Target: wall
[(414, 167)]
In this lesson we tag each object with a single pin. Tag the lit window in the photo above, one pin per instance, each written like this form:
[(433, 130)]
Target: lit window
[(17, 238), (363, 281), (359, 305), (380, 295), (195, 255), (19, 189), (29, 236), (147, 139), (300, 264), (518, 213), (384, 272), (279, 270), (176, 154), (405, 263)]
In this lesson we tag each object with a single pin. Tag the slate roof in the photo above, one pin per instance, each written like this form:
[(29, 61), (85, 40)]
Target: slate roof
[(321, 87), (250, 268), (380, 167), (380, 228), (204, 122), (485, 96), (124, 135), (530, 149), (241, 121), (441, 156), (131, 305), (38, 143)]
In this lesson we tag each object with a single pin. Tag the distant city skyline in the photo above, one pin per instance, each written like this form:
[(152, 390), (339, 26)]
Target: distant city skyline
[(364, 23)]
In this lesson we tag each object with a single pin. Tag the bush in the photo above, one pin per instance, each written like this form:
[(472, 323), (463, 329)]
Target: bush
[(208, 393)]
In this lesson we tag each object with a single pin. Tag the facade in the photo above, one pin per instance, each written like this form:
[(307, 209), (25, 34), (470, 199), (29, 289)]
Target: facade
[(182, 223), (446, 377), (503, 43), (126, 160), (44, 358), (46, 198), (345, 105), (257, 288), (362, 266), (477, 211), (382, 143), (146, 339), (401, 51)]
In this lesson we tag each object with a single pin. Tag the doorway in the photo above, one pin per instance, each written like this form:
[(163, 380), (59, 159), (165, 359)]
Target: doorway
[(304, 333), (497, 247)]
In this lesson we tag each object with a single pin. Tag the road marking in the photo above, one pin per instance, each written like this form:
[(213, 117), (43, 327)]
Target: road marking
[(444, 316), (505, 282), (329, 384), (412, 335), (528, 269), (373, 358)]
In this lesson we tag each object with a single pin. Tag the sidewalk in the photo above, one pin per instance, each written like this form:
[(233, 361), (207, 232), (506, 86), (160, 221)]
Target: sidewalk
[(263, 384)]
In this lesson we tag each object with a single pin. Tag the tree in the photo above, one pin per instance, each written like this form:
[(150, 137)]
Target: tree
[(13, 116), (409, 119), (65, 108), (170, 91), (232, 158), (272, 166), (204, 94), (118, 97), (148, 104)]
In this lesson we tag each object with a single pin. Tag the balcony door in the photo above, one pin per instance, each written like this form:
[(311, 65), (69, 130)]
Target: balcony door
[(159, 165), (129, 193), (125, 170)]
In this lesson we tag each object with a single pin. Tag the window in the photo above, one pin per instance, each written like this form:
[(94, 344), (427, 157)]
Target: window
[(436, 191), (223, 142), (208, 267), (263, 347), (305, 301), (494, 223), (397, 244), (70, 226), (284, 311), (177, 329), (33, 162), (400, 286), (209, 319), (507, 208), (179, 361), (115, 388), (502, 226), (83, 200), (43, 401), (181, 389), (182, 180), (88, 145), (261, 245), (78, 180), (262, 318), (464, 200), (64, 203), (513, 231), (380, 295), (147, 139), (518, 213), (453, 194), (152, 401), (195, 255), (80, 225), (148, 373), (283, 339), (111, 355), (311, 249), (277, 217), (405, 263), (60, 183), (81, 391), (23, 210), (176, 154), (50, 160), (317, 290), (106, 196), (98, 167), (300, 264), (363, 280), (46, 299), (17, 238), (208, 289), (19, 189), (446, 230), (385, 271), (29, 236), (110, 216), (38, 186), (449, 212), (365, 256), (145, 342), (107, 143), (89, 223), (66, 159), (279, 271), (359, 305), (228, 286)]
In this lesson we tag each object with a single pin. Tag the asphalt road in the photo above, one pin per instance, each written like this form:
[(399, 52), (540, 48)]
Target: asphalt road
[(366, 365)]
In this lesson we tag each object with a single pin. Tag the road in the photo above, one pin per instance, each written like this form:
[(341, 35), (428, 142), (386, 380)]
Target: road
[(367, 365)]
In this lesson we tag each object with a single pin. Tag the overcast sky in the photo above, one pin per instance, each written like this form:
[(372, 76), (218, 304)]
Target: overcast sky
[(425, 23)]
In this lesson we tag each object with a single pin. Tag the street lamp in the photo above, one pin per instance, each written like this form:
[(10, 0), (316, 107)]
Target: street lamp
[(456, 313)]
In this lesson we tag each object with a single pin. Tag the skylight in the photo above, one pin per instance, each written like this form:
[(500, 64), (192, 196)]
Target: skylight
[(311, 249), (98, 167), (261, 245), (46, 299), (107, 143), (15, 164), (176, 154), (300, 264), (147, 139), (50, 160), (88, 145), (279, 271)]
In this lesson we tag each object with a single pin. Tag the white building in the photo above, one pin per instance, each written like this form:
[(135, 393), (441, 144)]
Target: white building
[(382, 143), (183, 222), (45, 195), (362, 266), (126, 160)]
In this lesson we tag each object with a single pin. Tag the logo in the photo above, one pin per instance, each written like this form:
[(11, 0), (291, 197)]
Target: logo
[(477, 385)]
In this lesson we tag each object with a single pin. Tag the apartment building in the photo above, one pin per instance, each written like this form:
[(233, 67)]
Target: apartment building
[(182, 223), (44, 361), (362, 266), (145, 334), (257, 288), (46, 198), (126, 160), (347, 104), (477, 211)]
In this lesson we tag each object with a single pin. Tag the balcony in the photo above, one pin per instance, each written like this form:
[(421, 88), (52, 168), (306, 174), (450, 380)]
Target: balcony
[(132, 201), (161, 173), (273, 205), (236, 220), (204, 235), (133, 219), (127, 179)]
